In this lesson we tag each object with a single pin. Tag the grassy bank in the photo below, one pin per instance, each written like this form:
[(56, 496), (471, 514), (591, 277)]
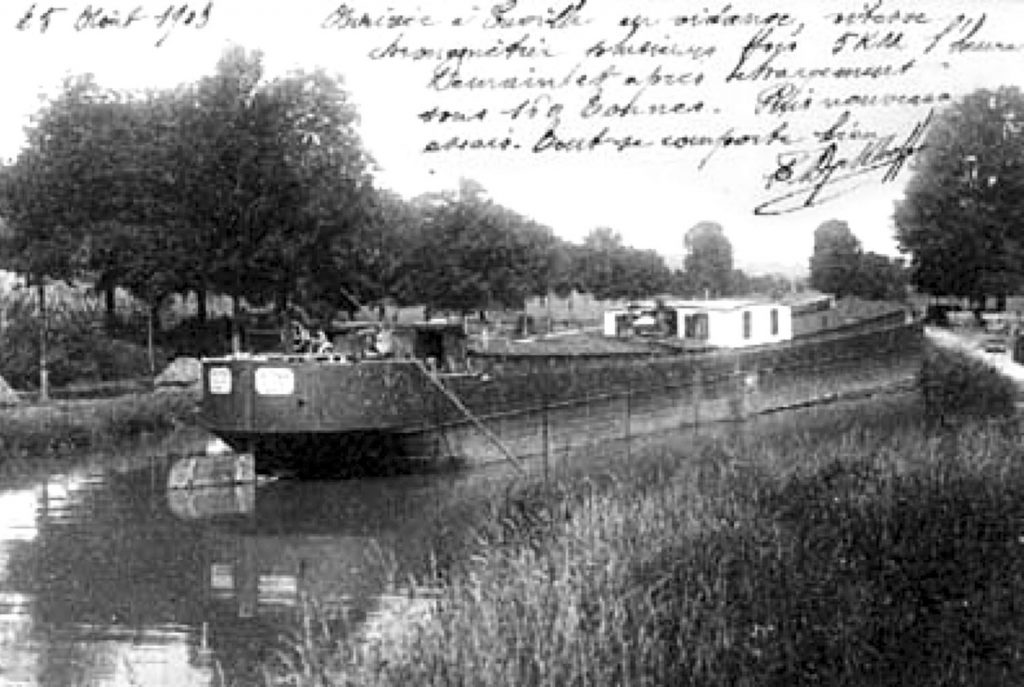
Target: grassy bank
[(53, 431), (860, 545)]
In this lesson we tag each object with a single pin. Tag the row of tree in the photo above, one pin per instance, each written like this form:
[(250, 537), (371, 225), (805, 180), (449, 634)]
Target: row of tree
[(234, 184), (961, 215), (260, 189), (841, 267)]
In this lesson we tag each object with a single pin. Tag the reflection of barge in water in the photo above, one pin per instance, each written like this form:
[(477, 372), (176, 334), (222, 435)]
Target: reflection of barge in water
[(435, 397)]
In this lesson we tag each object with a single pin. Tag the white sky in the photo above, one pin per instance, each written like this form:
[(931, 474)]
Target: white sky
[(652, 198)]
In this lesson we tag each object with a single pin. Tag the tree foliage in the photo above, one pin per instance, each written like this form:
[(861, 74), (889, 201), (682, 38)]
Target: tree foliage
[(836, 259), (881, 278), (604, 266), (839, 266), (470, 253), (278, 180), (708, 264), (960, 215), (237, 183)]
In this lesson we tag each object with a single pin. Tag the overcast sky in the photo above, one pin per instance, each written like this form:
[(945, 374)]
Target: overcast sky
[(651, 196)]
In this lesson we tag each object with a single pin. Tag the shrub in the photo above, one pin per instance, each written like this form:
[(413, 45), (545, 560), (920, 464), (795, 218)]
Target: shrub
[(78, 350), (195, 339), (955, 385), (854, 549), (54, 431)]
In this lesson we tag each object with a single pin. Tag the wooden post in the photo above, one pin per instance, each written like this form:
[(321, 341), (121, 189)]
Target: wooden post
[(545, 434), (469, 415), (236, 334), (629, 413), (698, 393), (149, 342), (44, 373)]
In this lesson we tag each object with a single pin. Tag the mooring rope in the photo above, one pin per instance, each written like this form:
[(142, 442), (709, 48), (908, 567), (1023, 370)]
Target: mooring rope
[(462, 408)]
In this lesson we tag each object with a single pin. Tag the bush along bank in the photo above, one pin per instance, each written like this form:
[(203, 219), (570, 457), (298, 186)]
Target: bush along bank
[(955, 386), (856, 545), (62, 428)]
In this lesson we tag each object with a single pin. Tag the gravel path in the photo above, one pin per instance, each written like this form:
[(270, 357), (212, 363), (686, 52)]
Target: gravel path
[(969, 341)]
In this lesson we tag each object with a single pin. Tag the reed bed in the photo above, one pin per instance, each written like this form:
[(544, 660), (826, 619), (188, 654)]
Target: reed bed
[(57, 430), (861, 544)]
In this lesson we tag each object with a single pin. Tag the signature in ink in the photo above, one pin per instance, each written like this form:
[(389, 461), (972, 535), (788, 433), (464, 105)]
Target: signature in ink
[(817, 175)]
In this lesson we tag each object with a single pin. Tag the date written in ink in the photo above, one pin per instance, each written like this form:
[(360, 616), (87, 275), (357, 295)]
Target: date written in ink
[(43, 17)]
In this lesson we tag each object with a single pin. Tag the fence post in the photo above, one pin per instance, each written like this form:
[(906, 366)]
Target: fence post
[(629, 418), (737, 394), (698, 393), (545, 435), (44, 373)]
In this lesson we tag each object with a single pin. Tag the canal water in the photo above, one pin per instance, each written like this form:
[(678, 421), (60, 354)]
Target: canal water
[(108, 578)]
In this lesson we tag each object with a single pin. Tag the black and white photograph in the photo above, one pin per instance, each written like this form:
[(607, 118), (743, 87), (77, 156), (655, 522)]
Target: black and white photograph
[(511, 342)]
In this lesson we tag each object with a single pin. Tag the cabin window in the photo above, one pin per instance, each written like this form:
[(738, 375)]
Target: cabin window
[(775, 322), (695, 326), (747, 324)]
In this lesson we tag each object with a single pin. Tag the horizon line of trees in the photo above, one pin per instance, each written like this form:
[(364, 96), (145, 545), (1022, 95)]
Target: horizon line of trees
[(260, 189), (841, 267), (960, 217)]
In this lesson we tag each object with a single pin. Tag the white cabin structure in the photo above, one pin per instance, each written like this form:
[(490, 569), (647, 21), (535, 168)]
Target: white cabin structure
[(725, 323)]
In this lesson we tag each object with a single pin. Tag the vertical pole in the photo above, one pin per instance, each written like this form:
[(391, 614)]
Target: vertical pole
[(236, 334), (44, 373), (698, 392), (629, 413), (149, 342), (545, 434)]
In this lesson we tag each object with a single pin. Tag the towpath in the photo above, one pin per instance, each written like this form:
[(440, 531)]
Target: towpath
[(970, 341)]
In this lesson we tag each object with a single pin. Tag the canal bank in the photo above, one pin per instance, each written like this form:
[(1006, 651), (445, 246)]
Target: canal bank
[(37, 435), (717, 558), (857, 543)]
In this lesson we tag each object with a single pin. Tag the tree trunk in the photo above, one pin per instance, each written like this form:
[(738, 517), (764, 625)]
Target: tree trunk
[(44, 373), (110, 304), (201, 304), (154, 313), (281, 308), (236, 329)]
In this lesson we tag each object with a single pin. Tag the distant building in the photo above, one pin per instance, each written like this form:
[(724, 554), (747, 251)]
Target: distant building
[(575, 307), (727, 323), (812, 312)]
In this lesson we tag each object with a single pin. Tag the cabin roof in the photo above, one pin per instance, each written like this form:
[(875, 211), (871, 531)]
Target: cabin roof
[(722, 304), (348, 327)]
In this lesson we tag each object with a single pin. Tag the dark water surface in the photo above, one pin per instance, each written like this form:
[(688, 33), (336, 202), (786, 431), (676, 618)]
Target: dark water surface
[(107, 578)]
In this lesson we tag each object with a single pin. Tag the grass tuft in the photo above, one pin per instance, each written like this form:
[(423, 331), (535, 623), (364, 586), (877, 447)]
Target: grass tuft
[(60, 429), (853, 546)]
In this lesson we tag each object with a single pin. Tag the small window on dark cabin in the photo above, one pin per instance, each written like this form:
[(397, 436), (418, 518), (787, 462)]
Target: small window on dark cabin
[(747, 324), (775, 322)]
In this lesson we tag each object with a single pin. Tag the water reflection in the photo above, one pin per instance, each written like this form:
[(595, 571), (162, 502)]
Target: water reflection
[(108, 579)]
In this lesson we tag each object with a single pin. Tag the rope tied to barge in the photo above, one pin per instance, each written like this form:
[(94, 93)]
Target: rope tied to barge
[(469, 415)]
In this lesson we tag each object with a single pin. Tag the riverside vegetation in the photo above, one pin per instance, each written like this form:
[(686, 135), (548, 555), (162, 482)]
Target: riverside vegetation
[(38, 435), (880, 542)]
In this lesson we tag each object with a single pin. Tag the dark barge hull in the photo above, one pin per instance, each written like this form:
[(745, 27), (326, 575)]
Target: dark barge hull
[(326, 415)]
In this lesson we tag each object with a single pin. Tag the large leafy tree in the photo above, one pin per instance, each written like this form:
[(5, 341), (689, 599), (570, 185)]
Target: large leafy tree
[(249, 186), (277, 181), (470, 253), (607, 268), (880, 278), (58, 185), (835, 263), (960, 217), (90, 185), (708, 262)]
